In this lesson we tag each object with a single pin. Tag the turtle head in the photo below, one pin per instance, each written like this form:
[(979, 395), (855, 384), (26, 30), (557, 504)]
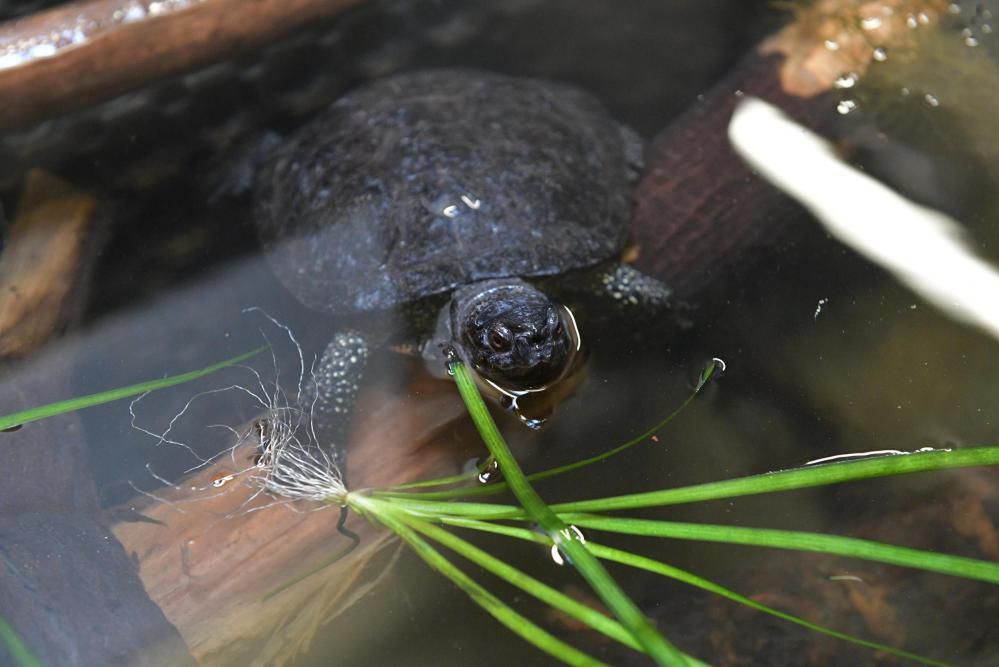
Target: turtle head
[(512, 334)]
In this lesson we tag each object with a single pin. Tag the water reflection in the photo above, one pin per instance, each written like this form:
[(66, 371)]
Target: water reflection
[(874, 454)]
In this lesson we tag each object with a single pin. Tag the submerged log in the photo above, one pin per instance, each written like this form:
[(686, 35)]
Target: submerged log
[(84, 52), (213, 550), (700, 211)]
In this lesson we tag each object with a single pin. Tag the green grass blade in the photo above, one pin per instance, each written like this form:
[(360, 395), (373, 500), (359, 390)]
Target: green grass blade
[(529, 631), (662, 569), (73, 404), (577, 610), (798, 478), (16, 649), (500, 487), (657, 567), (626, 611), (850, 547), (438, 481), (432, 508), (786, 480), (643, 437)]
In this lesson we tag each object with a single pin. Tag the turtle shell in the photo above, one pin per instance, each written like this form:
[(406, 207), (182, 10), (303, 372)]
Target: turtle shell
[(419, 183)]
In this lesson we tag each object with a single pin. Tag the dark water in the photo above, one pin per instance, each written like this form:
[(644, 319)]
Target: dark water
[(14, 8), (825, 354)]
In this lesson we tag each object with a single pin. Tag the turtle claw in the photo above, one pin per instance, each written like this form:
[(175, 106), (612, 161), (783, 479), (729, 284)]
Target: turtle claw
[(337, 378)]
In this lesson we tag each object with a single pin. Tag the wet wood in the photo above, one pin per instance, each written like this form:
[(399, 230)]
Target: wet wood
[(209, 561), (43, 263), (700, 212), (832, 39), (84, 52)]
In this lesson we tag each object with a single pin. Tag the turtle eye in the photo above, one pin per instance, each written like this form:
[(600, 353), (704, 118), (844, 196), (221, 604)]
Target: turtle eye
[(499, 338)]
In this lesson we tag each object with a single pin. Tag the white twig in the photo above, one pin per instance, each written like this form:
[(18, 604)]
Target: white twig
[(923, 248)]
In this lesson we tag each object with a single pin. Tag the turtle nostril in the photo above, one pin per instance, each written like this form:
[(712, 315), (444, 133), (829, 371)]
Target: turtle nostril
[(522, 349)]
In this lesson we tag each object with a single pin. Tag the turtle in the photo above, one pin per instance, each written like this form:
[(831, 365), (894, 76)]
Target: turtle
[(441, 207)]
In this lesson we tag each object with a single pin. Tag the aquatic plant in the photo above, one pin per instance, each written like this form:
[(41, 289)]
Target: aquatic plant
[(19, 654), (291, 469), (415, 516)]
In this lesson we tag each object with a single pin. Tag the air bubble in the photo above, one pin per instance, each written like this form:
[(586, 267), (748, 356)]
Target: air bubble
[(450, 358), (533, 423), (846, 81), (132, 12), (846, 106), (222, 479), (818, 307), (490, 473), (567, 533), (43, 50), (712, 369)]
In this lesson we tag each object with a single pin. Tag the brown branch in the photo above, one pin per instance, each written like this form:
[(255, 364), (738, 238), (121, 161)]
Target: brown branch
[(209, 563), (699, 210), (86, 52)]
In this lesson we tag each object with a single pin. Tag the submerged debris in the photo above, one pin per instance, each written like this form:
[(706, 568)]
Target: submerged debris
[(292, 465), (924, 249), (279, 457)]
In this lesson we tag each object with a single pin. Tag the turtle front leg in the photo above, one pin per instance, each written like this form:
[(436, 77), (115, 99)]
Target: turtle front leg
[(336, 380)]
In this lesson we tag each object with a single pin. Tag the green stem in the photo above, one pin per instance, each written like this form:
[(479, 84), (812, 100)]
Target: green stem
[(18, 651), (849, 547), (438, 481), (651, 565), (797, 478), (493, 489), (404, 526), (565, 539), (662, 569), (70, 405), (785, 480), (528, 584)]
